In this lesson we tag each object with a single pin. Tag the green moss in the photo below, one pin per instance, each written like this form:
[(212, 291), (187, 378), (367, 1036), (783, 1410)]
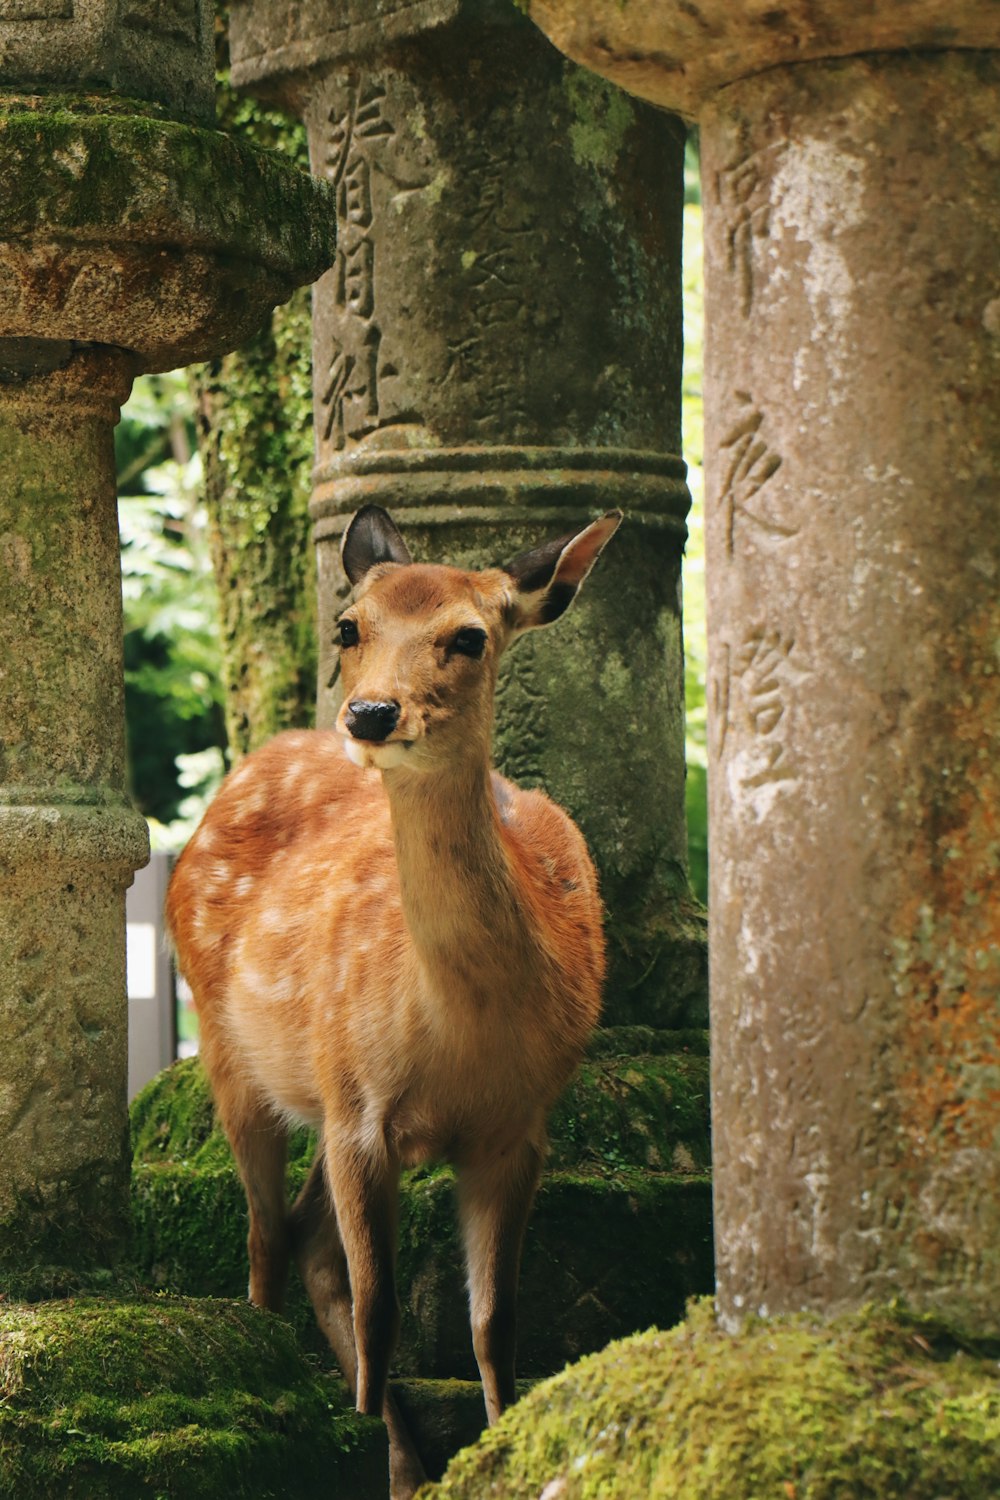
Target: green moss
[(603, 115), (646, 1111), (875, 1406), (138, 178), (161, 1397), (443, 1416), (634, 1041), (173, 1120)]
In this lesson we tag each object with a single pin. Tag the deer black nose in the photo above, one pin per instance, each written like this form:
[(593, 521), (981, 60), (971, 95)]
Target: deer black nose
[(371, 721)]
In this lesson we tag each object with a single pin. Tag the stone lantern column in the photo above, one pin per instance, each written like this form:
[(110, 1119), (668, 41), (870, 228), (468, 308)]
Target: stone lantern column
[(496, 354), (132, 237), (851, 178)]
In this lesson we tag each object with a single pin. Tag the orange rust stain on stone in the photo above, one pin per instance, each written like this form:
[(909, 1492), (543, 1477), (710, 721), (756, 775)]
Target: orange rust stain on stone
[(947, 942)]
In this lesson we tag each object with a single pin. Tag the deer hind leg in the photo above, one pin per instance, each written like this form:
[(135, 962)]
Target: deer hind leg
[(494, 1199), (323, 1265)]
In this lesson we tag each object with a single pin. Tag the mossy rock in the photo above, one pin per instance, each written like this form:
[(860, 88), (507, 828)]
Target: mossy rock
[(172, 1398), (443, 1416), (645, 1111), (877, 1405)]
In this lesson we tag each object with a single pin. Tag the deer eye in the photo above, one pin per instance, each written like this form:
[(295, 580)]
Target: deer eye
[(471, 641), (348, 632)]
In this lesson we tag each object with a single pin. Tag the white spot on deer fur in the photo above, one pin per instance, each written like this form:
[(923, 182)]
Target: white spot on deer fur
[(244, 885)]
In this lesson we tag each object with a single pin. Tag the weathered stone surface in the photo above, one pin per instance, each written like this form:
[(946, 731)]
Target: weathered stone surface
[(853, 545), (111, 1399), (149, 49), (161, 238), (281, 49), (678, 56), (880, 1404), (127, 241)]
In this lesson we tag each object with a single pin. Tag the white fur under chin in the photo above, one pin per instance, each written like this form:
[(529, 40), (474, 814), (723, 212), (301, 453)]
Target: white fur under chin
[(383, 757)]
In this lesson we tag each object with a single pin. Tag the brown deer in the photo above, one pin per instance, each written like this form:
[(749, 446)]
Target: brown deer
[(387, 940)]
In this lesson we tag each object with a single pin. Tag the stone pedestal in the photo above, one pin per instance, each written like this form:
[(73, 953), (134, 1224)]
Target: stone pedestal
[(496, 354), (128, 241), (853, 552)]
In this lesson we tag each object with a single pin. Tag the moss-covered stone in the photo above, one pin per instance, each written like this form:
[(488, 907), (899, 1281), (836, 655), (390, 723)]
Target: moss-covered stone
[(171, 241), (168, 1398), (625, 1111), (875, 1406), (116, 177), (443, 1416), (620, 1111)]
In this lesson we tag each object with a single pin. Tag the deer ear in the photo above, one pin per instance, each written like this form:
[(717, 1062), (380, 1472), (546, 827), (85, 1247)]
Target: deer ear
[(548, 577), (371, 538)]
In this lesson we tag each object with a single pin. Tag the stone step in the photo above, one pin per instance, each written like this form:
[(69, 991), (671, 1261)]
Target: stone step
[(444, 1416)]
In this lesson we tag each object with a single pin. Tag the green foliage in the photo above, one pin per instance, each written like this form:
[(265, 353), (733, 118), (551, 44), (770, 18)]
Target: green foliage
[(695, 642), (173, 705)]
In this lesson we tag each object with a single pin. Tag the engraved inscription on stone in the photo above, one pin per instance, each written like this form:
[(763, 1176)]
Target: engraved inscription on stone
[(718, 700), (744, 196), (769, 669), (751, 464), (173, 18), (36, 10), (350, 395)]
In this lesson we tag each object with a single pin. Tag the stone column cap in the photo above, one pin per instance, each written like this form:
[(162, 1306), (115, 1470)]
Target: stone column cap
[(275, 47), (168, 240), (677, 56)]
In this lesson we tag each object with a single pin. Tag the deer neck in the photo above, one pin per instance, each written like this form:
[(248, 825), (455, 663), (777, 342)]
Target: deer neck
[(460, 901)]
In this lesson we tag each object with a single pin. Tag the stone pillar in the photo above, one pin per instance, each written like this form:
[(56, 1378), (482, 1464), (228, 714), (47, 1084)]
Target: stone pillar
[(496, 354), (128, 241), (853, 549), (69, 842), (853, 372)]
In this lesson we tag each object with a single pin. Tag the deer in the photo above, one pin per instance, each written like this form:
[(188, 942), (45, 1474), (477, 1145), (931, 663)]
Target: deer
[(390, 942)]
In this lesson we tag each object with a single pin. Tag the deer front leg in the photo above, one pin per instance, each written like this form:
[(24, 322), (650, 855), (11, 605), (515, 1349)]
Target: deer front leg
[(495, 1199), (364, 1189), (322, 1263)]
